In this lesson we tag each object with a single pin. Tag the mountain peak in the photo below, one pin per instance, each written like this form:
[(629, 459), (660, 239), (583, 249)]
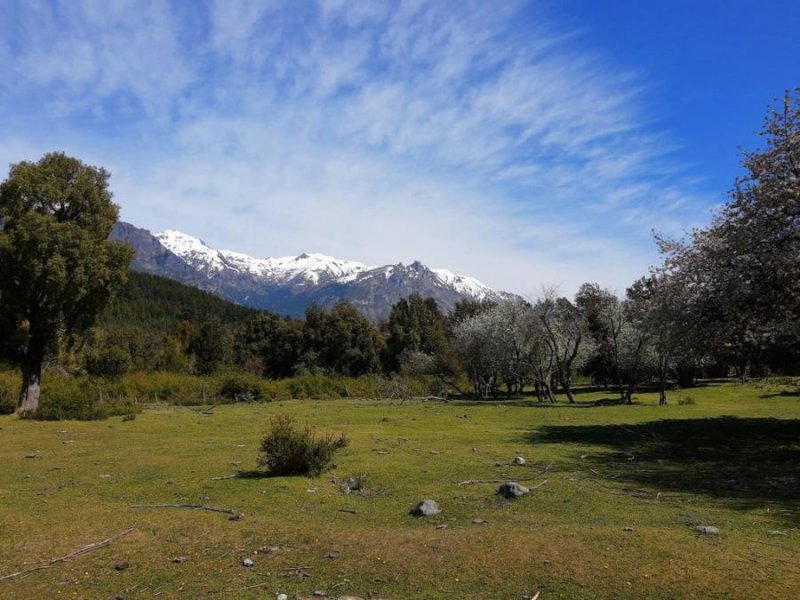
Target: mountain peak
[(290, 284)]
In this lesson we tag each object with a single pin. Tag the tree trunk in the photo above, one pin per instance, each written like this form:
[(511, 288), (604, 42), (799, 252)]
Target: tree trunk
[(570, 395), (31, 386), (662, 396), (567, 385)]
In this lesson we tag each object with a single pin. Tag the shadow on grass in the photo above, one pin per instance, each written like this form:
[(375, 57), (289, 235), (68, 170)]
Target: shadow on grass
[(254, 474), (783, 394), (744, 459)]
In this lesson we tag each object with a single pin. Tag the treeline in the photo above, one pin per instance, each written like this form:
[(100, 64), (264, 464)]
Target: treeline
[(725, 300), (159, 325)]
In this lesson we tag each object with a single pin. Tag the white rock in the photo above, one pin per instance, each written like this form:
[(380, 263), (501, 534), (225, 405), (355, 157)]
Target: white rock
[(426, 508), (247, 562)]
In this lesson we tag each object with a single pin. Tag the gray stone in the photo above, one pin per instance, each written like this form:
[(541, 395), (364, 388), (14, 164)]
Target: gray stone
[(246, 562), (707, 529), (426, 508), (519, 461), (511, 489)]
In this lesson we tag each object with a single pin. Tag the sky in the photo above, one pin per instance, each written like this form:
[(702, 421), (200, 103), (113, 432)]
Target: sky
[(527, 144)]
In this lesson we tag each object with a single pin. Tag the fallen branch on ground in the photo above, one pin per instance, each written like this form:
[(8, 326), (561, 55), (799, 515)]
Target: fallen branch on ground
[(248, 587), (75, 553), (234, 476), (478, 481), (229, 511)]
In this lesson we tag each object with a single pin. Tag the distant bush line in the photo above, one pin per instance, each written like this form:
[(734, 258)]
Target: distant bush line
[(89, 398)]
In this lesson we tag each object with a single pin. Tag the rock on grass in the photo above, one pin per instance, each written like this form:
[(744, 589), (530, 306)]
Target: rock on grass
[(426, 508)]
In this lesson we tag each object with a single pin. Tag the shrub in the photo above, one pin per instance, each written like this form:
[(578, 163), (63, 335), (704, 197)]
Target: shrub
[(9, 390), (287, 450), (241, 388), (110, 361), (83, 399)]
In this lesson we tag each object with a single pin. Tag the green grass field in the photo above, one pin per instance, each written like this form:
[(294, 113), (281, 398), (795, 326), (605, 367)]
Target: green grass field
[(625, 488)]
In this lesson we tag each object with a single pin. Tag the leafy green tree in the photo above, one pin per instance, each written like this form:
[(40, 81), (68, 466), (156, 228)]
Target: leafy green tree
[(272, 343), (342, 341), (211, 347), (107, 361), (415, 325), (58, 270)]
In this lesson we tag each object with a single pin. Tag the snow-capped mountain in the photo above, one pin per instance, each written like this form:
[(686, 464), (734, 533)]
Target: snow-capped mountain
[(313, 268), (291, 284)]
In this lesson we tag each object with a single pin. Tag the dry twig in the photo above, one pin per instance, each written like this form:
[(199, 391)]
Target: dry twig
[(75, 553), (478, 481), (229, 511)]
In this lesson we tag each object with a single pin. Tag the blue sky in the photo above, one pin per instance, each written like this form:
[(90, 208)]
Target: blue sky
[(523, 143)]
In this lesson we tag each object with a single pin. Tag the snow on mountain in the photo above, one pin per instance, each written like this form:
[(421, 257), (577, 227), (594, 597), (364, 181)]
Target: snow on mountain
[(464, 285), (191, 249), (290, 284), (310, 267)]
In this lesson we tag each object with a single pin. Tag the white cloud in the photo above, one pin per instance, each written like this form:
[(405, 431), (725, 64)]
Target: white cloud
[(379, 132)]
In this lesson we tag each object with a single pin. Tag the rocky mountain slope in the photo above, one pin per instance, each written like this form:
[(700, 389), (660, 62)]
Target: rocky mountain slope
[(289, 285)]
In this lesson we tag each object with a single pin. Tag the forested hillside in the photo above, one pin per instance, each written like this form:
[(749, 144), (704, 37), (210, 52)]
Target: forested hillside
[(155, 303)]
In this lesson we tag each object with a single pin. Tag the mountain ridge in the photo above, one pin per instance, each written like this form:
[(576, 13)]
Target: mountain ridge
[(290, 284)]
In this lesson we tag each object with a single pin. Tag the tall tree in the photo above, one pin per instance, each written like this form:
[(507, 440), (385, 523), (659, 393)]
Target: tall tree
[(272, 343), (744, 269), (58, 269), (342, 341), (415, 325)]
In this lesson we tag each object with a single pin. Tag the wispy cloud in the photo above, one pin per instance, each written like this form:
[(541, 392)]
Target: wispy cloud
[(470, 135)]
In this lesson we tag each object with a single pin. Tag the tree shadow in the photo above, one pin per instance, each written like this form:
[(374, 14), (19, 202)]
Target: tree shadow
[(748, 460), (783, 394), (254, 474)]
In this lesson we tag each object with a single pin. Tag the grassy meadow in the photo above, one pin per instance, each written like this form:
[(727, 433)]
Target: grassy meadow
[(620, 490)]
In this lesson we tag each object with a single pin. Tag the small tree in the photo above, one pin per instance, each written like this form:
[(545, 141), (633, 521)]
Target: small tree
[(566, 333), (58, 270)]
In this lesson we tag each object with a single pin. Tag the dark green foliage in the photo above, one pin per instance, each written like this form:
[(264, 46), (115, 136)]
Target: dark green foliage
[(342, 341), (108, 361), (211, 347), (287, 450), (269, 345), (8, 396), (415, 325), (240, 387), (153, 303), (466, 309), (58, 270)]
